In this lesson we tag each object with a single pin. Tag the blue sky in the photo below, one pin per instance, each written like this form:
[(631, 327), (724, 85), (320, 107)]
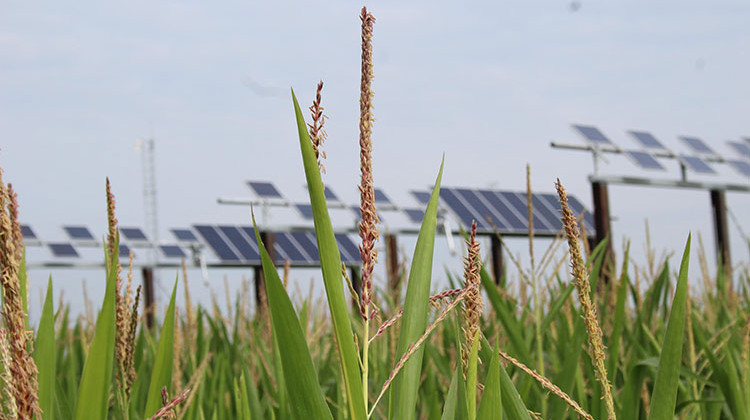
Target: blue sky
[(489, 84)]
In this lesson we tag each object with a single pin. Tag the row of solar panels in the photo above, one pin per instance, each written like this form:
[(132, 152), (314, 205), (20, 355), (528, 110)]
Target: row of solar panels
[(82, 236), (652, 147), (231, 244), (502, 211)]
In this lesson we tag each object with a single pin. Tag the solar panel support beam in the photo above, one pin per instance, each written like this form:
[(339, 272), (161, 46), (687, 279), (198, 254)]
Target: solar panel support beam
[(600, 192), (498, 270), (721, 229), (148, 295)]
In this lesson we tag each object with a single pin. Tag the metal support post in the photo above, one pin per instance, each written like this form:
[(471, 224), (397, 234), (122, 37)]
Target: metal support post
[(498, 270), (721, 229), (148, 295)]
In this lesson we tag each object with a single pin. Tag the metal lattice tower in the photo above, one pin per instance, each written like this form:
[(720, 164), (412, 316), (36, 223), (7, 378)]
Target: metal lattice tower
[(150, 213)]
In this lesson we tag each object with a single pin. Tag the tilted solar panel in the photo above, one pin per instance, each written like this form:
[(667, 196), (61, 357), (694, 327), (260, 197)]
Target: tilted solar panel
[(330, 196), (415, 215), (644, 160), (172, 251), (79, 233), (743, 149), (27, 232), (133, 234), (517, 222), (60, 249), (184, 235), (647, 140), (244, 244), (421, 196), (380, 197), (264, 189), (305, 210), (697, 164), (593, 135), (217, 243), (124, 251), (697, 145), (740, 166)]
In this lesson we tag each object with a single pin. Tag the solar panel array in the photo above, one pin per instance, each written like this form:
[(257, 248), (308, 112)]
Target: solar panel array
[(506, 212), (237, 245), (651, 147)]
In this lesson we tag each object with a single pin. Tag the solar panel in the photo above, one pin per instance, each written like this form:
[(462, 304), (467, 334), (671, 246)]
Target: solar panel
[(133, 234), (465, 214), (124, 250), (349, 251), (575, 206), (80, 233), (292, 249), (217, 243), (380, 197), (172, 251), (697, 145), (647, 140), (542, 208), (644, 160), (184, 235), (518, 201), (421, 196), (697, 164), (306, 210), (516, 221), (740, 166), (246, 245), (741, 148), (264, 189), (483, 210), (415, 215), (593, 135), (307, 242), (61, 249), (27, 232)]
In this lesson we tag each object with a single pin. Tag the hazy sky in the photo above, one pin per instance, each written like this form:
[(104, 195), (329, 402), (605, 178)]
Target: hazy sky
[(489, 84)]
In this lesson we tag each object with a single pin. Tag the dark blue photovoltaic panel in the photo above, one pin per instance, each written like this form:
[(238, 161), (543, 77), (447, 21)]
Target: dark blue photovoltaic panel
[(518, 201), (172, 251), (349, 251), (421, 196), (741, 148), (184, 235), (246, 246), (62, 249), (330, 196), (133, 234), (697, 145), (305, 210), (644, 160), (27, 232), (592, 134), (697, 164), (541, 208), (124, 251), (380, 197), (740, 166), (264, 189), (79, 232), (647, 140), (288, 244), (516, 222), (308, 244), (465, 215), (217, 243), (415, 215), (481, 211)]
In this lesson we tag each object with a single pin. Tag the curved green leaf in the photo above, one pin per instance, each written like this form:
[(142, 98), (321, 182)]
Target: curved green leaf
[(491, 406), (45, 357), (161, 375), (330, 265)]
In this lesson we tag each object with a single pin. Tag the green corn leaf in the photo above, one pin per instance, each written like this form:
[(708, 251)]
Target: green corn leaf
[(403, 395), (513, 404), (664, 396), (471, 379), (306, 398), (45, 357), (161, 375), (93, 390), (330, 265), (491, 406), (450, 407)]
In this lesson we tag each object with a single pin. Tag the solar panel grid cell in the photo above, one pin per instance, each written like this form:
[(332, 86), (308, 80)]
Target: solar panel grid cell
[(124, 250), (246, 247), (217, 243), (517, 224), (305, 210), (349, 250), (292, 249), (184, 235), (483, 212), (421, 196), (330, 196), (743, 149), (133, 234), (264, 189), (307, 242), (644, 160), (380, 197), (697, 164), (518, 200), (592, 134), (542, 208), (465, 214), (415, 215), (740, 166), (172, 251)]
